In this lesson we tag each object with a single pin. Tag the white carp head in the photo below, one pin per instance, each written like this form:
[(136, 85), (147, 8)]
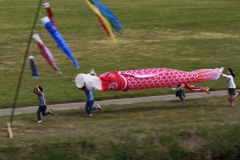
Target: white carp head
[(92, 81)]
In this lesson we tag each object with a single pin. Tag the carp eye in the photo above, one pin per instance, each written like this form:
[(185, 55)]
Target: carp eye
[(113, 86)]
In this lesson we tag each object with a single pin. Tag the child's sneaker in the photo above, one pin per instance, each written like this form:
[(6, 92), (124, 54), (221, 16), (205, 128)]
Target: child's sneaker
[(238, 92), (89, 116), (51, 112), (98, 107), (40, 121), (233, 105)]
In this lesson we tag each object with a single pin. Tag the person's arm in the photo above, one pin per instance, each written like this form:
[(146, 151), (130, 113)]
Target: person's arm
[(182, 85), (34, 90), (85, 85), (225, 76)]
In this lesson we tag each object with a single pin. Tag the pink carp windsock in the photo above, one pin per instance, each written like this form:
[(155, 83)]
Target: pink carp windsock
[(50, 13), (45, 52), (33, 67), (145, 79)]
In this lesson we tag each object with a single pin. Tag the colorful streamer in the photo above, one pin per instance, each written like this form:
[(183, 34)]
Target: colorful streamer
[(106, 18), (56, 35), (33, 67), (50, 13), (107, 13), (105, 26), (192, 88), (45, 52)]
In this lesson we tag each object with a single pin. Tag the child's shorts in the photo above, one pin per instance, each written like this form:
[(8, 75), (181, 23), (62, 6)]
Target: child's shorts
[(232, 91)]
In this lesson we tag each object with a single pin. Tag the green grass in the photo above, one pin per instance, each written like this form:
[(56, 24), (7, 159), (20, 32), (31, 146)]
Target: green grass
[(197, 129), (178, 34)]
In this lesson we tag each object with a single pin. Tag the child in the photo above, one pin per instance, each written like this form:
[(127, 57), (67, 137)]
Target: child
[(42, 107), (89, 105), (231, 86), (179, 92)]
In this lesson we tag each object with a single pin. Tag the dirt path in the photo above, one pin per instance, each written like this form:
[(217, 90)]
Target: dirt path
[(68, 106)]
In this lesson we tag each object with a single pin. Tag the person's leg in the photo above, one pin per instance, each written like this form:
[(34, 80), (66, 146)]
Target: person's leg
[(233, 95), (229, 98), (177, 93), (44, 113), (180, 95), (183, 94), (91, 108), (86, 109), (38, 113)]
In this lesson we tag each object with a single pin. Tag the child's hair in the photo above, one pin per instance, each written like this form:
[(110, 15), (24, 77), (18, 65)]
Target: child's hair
[(231, 71), (84, 87), (40, 88)]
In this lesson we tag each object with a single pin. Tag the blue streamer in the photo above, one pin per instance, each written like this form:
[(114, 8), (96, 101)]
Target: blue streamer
[(56, 35), (33, 67), (109, 13)]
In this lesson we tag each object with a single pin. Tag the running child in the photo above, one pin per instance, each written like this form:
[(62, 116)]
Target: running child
[(42, 107), (89, 105), (232, 94)]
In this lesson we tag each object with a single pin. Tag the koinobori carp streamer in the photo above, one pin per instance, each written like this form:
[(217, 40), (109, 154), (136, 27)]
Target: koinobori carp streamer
[(33, 67), (146, 79), (56, 35), (50, 13), (45, 52)]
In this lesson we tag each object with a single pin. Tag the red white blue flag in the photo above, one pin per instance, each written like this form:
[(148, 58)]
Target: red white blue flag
[(45, 52)]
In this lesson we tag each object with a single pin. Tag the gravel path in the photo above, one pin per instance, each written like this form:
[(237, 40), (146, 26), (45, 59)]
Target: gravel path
[(68, 106)]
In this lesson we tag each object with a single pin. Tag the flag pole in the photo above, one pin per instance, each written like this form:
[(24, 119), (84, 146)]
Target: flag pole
[(24, 61)]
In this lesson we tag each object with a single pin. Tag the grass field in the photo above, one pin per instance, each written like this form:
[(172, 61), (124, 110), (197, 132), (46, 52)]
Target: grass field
[(179, 34), (197, 129)]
